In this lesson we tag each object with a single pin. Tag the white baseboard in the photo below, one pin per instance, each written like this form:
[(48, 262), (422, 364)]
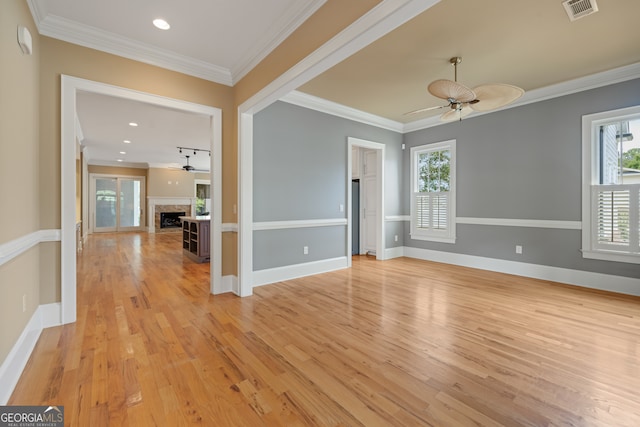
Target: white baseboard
[(278, 274), (605, 282), (229, 284), (45, 316), (396, 252)]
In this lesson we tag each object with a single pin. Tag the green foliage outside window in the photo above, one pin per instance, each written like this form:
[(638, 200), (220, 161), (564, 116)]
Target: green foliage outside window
[(434, 171), (631, 159)]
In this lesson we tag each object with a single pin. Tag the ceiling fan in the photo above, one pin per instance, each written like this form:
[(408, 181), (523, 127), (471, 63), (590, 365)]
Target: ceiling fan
[(190, 168), (462, 101)]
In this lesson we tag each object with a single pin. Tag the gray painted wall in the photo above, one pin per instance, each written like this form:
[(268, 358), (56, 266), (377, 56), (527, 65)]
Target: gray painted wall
[(523, 163), (300, 173), (520, 163)]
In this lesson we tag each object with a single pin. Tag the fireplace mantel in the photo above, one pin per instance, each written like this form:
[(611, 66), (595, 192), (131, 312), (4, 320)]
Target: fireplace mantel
[(161, 201)]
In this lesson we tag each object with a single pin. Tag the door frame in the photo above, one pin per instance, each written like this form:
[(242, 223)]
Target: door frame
[(380, 223), (69, 135)]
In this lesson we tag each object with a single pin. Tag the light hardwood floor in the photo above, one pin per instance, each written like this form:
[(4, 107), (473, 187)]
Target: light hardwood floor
[(394, 343)]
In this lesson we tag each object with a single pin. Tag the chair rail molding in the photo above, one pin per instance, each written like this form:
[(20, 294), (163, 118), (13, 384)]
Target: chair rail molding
[(13, 248)]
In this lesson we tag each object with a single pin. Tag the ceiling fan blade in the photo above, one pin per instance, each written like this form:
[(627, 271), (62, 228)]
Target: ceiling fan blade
[(492, 96), (447, 89), (456, 114), (422, 110)]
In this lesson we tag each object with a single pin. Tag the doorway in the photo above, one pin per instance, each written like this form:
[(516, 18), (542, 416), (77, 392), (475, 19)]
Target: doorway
[(70, 86), (366, 165)]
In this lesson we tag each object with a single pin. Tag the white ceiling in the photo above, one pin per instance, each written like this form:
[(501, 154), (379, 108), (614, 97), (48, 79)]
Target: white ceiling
[(531, 44), (153, 143)]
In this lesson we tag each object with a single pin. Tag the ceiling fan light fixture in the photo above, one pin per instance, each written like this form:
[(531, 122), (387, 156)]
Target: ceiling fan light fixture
[(447, 89), (456, 114), (462, 101)]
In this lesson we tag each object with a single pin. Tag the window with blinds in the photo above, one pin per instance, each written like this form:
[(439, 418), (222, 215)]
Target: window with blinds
[(433, 192), (611, 185)]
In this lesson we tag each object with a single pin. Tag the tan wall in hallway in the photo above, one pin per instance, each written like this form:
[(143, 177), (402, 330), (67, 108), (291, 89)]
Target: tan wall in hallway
[(19, 100)]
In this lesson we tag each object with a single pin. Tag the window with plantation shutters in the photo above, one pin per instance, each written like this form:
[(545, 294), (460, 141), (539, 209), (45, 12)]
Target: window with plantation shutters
[(433, 192), (616, 216), (611, 186)]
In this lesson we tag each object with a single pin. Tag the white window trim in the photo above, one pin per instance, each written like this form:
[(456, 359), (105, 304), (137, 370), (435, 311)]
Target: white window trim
[(590, 124), (450, 236)]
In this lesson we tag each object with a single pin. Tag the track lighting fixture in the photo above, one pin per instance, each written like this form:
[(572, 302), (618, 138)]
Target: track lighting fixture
[(195, 150)]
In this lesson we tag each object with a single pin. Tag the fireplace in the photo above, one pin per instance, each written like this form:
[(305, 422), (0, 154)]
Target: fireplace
[(157, 205), (171, 219)]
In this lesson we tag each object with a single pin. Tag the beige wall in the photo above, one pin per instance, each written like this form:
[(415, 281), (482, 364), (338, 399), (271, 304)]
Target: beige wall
[(170, 183), (117, 170), (19, 99)]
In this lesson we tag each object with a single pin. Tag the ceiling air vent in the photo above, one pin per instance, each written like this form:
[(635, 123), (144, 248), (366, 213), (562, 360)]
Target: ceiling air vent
[(577, 9)]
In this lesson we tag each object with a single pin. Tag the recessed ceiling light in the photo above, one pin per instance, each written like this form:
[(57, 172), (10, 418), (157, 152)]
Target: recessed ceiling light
[(134, 124), (123, 152), (126, 141), (161, 23), (120, 160)]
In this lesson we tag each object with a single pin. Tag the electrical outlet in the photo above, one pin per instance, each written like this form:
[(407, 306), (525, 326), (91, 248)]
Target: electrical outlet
[(341, 207), (24, 303), (395, 238), (519, 249), (305, 250)]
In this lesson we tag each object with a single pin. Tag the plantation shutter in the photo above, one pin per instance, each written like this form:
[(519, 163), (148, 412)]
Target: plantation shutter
[(615, 210), (432, 211)]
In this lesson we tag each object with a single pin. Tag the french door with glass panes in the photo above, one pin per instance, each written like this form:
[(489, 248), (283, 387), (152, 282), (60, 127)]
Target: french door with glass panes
[(117, 203)]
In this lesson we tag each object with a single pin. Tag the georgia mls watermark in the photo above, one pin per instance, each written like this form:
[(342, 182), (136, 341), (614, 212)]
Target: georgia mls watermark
[(31, 416)]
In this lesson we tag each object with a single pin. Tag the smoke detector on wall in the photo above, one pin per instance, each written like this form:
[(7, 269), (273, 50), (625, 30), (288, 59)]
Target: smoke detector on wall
[(577, 9)]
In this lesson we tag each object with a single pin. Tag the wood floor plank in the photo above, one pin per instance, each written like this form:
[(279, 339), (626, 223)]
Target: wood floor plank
[(395, 343)]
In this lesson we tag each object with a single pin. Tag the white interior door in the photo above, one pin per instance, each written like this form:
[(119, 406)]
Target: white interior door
[(369, 202)]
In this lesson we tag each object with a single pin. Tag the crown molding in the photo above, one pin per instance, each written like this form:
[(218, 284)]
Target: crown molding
[(262, 50), (594, 81), (91, 37), (322, 105)]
